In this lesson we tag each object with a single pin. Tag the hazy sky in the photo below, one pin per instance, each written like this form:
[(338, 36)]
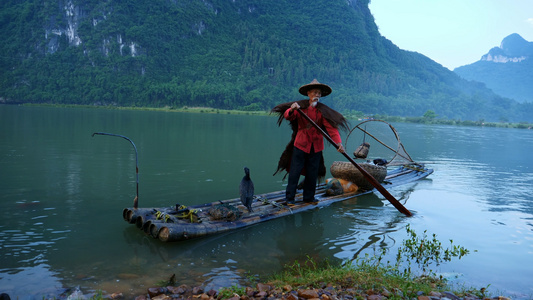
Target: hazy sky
[(453, 33)]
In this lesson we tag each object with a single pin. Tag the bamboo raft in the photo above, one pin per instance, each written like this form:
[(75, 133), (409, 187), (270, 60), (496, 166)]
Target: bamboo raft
[(177, 223)]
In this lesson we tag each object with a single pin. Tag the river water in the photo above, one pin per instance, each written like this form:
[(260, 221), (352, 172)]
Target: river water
[(63, 192)]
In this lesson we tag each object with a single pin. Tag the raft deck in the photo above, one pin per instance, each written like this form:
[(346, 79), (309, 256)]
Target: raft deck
[(170, 224)]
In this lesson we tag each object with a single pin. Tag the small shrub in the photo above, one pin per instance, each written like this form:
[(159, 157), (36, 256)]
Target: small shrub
[(225, 293)]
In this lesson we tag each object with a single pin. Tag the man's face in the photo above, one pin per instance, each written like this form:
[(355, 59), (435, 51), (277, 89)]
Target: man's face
[(314, 96)]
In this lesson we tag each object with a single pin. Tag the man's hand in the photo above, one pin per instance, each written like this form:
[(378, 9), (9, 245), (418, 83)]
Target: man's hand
[(295, 106), (340, 148)]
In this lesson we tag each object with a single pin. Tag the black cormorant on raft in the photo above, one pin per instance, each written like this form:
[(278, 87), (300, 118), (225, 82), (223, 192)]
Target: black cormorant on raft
[(246, 190)]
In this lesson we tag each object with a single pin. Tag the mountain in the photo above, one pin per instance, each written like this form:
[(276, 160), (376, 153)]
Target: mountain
[(507, 70), (238, 54)]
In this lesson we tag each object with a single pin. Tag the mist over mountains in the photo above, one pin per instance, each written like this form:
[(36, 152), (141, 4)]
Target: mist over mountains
[(239, 54), (507, 70)]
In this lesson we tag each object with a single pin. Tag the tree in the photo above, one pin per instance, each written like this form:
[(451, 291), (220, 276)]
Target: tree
[(430, 115)]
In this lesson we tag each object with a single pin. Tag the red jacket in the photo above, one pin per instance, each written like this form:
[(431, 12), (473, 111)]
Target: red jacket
[(307, 134)]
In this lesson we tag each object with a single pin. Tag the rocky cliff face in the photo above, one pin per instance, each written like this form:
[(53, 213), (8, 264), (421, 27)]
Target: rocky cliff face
[(70, 16), (512, 49), (68, 27)]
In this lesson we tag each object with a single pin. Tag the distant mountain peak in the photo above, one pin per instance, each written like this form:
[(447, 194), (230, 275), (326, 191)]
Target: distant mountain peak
[(514, 42), (514, 48), (506, 69)]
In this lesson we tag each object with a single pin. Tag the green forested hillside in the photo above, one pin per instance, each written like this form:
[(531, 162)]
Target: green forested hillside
[(240, 54), (513, 80)]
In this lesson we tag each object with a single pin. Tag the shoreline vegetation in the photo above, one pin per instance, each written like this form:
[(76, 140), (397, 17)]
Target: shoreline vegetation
[(368, 277), (428, 118)]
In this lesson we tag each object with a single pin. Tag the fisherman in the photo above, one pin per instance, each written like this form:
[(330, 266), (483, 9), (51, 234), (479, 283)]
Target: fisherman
[(303, 154)]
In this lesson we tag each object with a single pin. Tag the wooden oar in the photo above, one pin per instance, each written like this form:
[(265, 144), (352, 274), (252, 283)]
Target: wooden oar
[(368, 177)]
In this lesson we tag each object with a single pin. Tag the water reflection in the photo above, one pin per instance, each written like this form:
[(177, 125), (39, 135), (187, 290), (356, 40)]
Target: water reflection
[(300, 238), (502, 188), (371, 228), (39, 282)]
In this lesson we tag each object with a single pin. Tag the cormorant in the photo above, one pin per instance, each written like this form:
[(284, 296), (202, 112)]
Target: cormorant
[(380, 161), (246, 190), (4, 296)]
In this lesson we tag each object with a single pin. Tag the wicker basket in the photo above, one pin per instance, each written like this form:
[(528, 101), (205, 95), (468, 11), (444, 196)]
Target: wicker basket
[(347, 171), (362, 151)]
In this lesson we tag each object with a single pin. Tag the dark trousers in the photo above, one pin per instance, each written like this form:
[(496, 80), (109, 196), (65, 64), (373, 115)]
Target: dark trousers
[(311, 162)]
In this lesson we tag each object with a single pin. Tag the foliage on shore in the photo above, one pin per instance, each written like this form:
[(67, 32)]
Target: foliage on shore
[(428, 118), (410, 275)]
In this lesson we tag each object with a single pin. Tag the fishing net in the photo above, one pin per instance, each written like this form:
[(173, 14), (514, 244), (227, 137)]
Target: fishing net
[(378, 142), (224, 211)]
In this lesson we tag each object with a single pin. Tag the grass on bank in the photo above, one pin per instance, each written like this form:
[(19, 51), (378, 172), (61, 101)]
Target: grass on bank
[(366, 278), (359, 278), (404, 278), (184, 109)]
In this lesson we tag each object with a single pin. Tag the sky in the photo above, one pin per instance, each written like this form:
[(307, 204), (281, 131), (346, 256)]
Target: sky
[(453, 33)]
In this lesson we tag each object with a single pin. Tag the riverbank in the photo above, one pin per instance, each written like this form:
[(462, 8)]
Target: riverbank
[(367, 277), (364, 281), (349, 115), (329, 291), (185, 109)]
